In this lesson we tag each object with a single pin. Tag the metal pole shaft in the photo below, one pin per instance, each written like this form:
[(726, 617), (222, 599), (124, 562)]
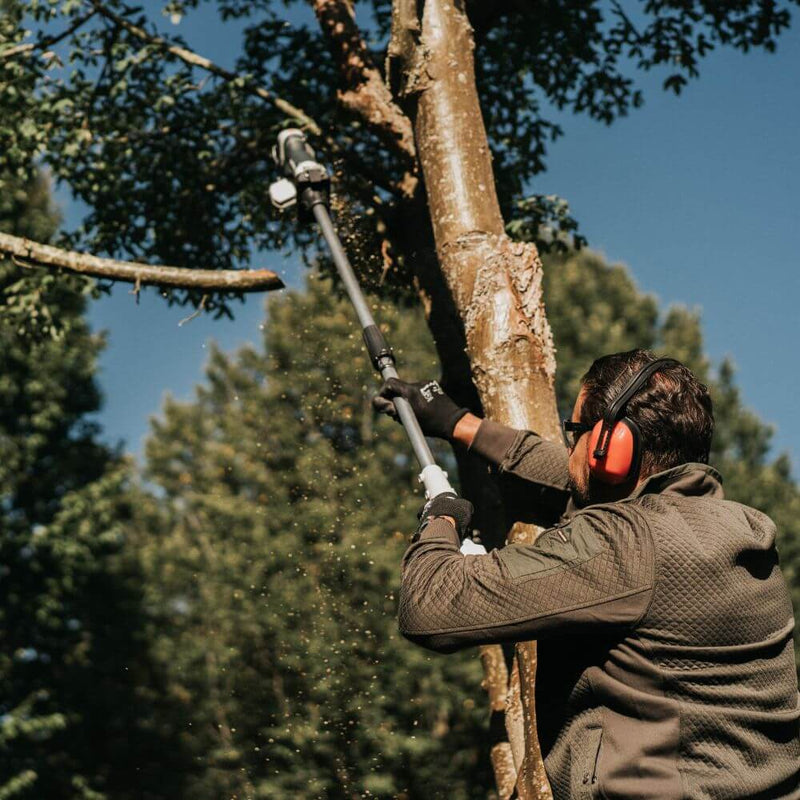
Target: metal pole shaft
[(415, 436)]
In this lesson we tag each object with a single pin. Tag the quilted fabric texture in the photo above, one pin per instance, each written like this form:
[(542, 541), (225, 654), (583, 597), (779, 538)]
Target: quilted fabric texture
[(525, 590), (666, 666), (720, 630), (537, 461), (532, 472)]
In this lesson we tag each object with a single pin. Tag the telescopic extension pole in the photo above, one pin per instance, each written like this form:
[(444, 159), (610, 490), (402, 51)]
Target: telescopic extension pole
[(307, 182)]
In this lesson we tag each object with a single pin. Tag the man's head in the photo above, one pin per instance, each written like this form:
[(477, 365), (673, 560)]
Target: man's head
[(672, 411)]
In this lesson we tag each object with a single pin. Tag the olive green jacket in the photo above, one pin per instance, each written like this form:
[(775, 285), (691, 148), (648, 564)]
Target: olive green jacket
[(666, 666)]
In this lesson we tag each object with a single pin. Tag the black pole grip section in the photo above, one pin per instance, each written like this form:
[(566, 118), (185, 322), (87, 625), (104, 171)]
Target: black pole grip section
[(377, 347), (296, 150)]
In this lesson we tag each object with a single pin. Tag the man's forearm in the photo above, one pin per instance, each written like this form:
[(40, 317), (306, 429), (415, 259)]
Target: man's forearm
[(466, 430), (597, 571), (533, 472)]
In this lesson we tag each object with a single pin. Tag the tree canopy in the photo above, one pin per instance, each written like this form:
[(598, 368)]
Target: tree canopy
[(170, 151)]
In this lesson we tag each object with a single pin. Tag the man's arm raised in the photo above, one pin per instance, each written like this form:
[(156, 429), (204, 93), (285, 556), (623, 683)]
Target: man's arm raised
[(533, 472)]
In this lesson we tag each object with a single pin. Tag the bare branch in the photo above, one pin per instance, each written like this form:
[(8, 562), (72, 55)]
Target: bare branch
[(196, 60), (364, 92), (44, 44), (30, 253), (626, 20), (194, 315)]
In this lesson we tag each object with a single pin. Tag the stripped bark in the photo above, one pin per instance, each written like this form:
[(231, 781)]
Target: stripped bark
[(495, 682), (532, 776), (404, 55), (34, 254), (495, 286), (364, 92)]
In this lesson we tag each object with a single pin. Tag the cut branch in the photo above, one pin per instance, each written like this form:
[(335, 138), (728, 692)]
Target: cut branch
[(196, 60), (29, 253), (44, 44), (364, 92)]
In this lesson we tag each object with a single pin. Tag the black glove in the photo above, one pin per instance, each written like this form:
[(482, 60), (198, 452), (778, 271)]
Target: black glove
[(436, 412), (447, 505)]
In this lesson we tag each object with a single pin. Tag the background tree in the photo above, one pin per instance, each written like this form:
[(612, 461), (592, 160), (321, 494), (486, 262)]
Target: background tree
[(76, 683), (167, 149), (272, 555)]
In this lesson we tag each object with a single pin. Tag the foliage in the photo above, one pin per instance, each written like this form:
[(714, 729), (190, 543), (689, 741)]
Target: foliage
[(172, 160), (75, 678), (36, 304)]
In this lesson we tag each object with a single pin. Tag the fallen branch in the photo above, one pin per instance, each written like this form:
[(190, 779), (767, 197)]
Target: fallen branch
[(196, 60), (29, 253)]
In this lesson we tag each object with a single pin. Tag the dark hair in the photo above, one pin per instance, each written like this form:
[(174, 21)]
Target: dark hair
[(672, 410)]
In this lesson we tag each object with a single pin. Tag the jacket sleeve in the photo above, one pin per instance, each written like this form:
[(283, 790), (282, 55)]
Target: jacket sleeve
[(595, 571), (533, 472)]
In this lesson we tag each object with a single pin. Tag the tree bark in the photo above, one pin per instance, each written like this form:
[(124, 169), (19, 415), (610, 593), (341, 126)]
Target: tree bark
[(363, 92), (418, 249), (495, 285)]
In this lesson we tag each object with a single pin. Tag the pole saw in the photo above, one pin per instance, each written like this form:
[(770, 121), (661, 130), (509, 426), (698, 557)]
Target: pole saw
[(306, 182)]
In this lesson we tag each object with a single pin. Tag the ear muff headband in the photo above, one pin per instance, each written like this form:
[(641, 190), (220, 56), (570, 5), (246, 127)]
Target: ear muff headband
[(614, 450)]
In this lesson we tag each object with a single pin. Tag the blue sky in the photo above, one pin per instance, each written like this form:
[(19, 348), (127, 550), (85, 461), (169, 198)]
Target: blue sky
[(698, 195)]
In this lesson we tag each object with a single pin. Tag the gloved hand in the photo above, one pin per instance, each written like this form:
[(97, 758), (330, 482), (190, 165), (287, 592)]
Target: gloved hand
[(447, 505), (436, 412)]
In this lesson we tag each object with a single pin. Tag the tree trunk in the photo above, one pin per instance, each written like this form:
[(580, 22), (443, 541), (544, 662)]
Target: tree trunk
[(495, 285), (418, 249)]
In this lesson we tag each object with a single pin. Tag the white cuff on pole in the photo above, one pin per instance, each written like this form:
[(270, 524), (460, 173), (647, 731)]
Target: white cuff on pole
[(434, 479)]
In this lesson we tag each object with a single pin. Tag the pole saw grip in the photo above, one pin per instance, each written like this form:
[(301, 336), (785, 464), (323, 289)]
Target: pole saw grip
[(379, 351)]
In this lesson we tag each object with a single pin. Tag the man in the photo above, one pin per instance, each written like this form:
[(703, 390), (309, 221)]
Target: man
[(666, 667)]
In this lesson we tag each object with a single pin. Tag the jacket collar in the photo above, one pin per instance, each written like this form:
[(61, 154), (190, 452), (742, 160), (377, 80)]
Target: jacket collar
[(690, 480)]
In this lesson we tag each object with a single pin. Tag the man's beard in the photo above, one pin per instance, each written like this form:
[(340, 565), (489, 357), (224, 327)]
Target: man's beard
[(580, 495)]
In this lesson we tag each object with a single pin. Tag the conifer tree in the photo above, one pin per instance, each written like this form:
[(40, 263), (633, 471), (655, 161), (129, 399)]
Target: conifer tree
[(74, 677), (274, 559)]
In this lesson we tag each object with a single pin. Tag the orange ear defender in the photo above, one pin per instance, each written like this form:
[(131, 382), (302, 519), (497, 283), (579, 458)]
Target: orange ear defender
[(615, 450), (623, 452)]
